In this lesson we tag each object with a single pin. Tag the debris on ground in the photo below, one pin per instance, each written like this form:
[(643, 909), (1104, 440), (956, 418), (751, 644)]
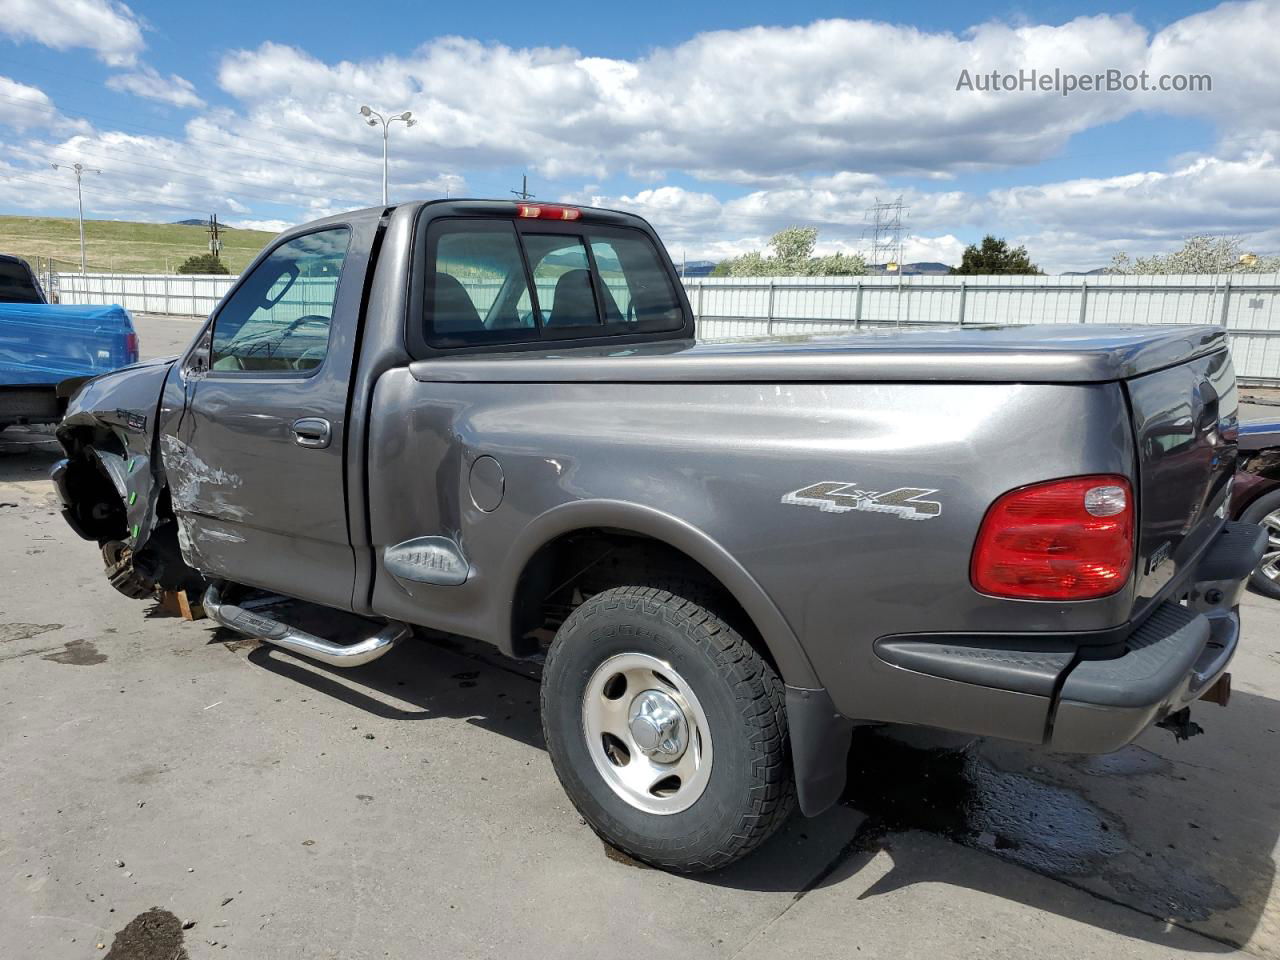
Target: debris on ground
[(153, 935)]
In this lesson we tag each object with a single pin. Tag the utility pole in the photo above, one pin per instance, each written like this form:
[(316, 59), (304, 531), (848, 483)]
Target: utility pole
[(78, 169), (215, 239), (523, 193), (373, 118)]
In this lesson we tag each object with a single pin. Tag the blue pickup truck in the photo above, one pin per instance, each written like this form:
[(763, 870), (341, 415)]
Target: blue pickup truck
[(42, 345)]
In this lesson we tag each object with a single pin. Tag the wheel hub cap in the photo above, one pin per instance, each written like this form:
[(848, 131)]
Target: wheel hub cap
[(658, 727), (647, 734)]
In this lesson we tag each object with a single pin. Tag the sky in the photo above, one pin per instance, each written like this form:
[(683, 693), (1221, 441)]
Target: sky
[(720, 124)]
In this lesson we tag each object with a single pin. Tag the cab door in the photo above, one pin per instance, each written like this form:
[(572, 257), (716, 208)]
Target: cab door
[(255, 460)]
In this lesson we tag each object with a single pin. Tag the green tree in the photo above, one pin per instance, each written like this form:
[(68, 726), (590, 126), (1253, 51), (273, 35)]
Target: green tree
[(203, 263), (792, 256), (994, 256)]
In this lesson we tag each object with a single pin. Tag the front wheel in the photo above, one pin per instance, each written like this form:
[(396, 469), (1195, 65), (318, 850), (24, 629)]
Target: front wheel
[(667, 729)]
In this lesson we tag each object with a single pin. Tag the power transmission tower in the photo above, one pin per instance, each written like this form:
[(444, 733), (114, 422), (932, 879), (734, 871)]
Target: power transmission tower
[(78, 169), (885, 233), (523, 193)]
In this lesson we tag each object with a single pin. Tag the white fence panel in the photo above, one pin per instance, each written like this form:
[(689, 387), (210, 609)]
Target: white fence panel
[(1247, 305)]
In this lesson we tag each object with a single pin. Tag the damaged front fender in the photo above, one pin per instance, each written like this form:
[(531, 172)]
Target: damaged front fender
[(109, 431)]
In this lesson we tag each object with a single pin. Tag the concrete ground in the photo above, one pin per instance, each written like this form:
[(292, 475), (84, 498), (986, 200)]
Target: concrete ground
[(408, 808)]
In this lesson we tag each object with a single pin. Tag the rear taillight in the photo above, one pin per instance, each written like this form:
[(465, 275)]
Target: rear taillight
[(1066, 539), (131, 347), (547, 211)]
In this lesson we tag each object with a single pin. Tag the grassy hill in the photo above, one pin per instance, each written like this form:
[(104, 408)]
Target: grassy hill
[(122, 246)]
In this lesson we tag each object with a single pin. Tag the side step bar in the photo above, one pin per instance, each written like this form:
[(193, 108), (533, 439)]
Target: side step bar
[(299, 641)]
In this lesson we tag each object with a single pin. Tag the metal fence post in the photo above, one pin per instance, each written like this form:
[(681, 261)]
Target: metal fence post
[(857, 308), (964, 289), (1226, 298), (1084, 299)]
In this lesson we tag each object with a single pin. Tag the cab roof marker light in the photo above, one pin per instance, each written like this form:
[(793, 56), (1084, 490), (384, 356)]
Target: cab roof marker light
[(547, 211)]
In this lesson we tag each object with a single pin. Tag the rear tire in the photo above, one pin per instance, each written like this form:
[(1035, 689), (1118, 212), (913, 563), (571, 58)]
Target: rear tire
[(1266, 512), (667, 729)]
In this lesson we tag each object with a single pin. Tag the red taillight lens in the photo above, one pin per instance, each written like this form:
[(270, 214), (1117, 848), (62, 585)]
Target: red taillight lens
[(131, 347), (548, 211), (1061, 540)]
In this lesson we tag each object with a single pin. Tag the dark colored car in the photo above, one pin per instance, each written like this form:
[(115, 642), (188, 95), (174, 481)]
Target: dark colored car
[(1255, 496), (18, 283)]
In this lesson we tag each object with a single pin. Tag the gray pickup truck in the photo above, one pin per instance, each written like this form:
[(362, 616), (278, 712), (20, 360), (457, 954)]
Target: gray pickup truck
[(493, 419)]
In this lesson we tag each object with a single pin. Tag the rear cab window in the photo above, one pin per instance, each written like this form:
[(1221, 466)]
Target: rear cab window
[(504, 282)]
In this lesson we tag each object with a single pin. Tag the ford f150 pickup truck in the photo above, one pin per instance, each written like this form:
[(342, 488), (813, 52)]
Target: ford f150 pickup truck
[(494, 419)]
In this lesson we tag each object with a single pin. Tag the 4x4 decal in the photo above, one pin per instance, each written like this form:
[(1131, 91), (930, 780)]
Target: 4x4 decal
[(833, 496)]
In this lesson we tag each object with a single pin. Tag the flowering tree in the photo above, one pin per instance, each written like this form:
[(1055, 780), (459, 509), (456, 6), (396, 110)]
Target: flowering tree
[(792, 257), (1199, 254)]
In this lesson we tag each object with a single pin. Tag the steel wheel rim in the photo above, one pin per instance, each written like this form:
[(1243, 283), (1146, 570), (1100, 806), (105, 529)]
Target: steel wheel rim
[(1269, 566), (655, 766)]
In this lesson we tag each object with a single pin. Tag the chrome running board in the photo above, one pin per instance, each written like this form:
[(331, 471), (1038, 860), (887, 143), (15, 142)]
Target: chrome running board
[(299, 641)]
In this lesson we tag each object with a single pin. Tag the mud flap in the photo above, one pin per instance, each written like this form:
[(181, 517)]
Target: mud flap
[(820, 739)]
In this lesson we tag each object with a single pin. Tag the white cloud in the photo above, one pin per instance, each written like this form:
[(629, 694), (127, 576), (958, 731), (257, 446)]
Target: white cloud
[(147, 82), (1087, 220), (110, 29), (23, 107), (777, 126), (271, 226), (747, 106)]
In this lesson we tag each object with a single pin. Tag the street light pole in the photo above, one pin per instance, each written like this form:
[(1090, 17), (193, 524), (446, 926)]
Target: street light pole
[(78, 169), (373, 118)]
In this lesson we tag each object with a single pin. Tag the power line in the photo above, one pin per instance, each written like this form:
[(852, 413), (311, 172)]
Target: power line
[(114, 157), (119, 198)]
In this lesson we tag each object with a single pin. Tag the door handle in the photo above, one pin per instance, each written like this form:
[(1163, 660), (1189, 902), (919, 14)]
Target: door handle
[(311, 432)]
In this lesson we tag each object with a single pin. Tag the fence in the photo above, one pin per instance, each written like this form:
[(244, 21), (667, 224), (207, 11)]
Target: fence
[(1246, 305)]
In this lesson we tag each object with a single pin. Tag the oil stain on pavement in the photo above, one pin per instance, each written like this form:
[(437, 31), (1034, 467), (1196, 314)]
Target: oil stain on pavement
[(79, 653), (960, 794), (154, 935)]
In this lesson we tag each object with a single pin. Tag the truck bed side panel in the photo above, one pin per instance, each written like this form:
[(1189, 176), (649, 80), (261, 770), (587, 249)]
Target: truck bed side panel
[(767, 471)]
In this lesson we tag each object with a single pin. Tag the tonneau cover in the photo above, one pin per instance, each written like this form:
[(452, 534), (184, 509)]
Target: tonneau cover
[(1049, 353), (42, 344)]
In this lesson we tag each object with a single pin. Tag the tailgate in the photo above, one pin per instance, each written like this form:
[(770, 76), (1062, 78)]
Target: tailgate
[(1185, 423)]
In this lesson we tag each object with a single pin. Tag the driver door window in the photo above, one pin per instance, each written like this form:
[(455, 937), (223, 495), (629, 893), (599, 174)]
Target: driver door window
[(278, 319)]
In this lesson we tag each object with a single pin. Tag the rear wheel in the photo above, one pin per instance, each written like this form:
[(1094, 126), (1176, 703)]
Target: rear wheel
[(667, 729), (1266, 512)]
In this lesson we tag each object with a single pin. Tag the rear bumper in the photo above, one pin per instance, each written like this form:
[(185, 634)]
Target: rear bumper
[(29, 404), (1169, 662), (1091, 705)]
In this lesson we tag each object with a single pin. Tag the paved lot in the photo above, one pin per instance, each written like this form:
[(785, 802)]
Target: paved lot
[(408, 809)]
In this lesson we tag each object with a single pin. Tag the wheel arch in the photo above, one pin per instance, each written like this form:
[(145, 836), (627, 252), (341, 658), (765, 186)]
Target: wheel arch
[(584, 516)]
